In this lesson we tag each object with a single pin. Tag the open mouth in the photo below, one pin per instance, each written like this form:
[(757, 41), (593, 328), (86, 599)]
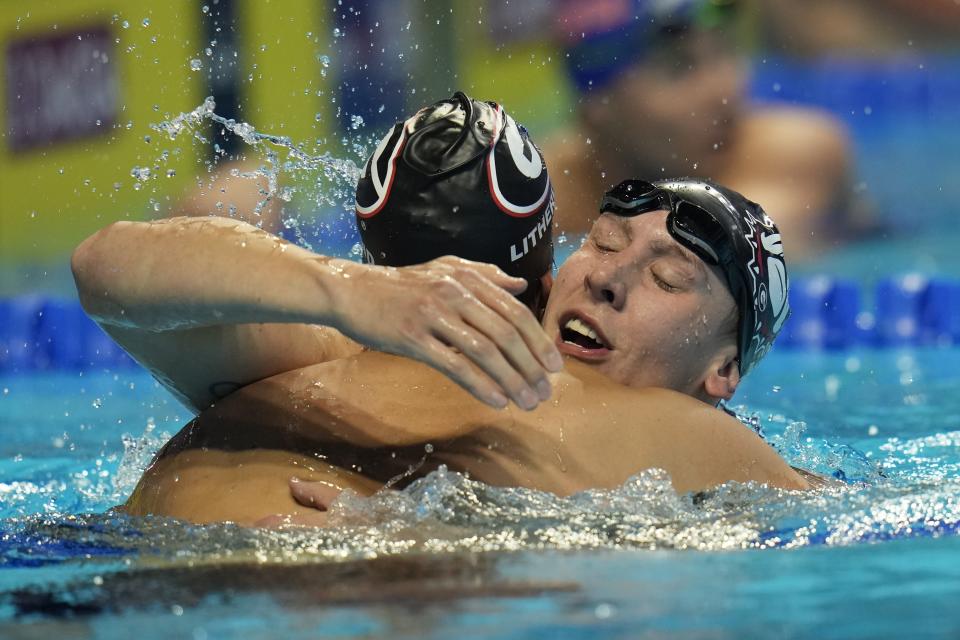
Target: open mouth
[(575, 331)]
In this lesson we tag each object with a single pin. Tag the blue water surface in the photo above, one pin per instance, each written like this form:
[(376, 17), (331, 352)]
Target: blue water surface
[(875, 558)]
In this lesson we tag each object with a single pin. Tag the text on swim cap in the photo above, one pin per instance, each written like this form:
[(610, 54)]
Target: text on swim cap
[(529, 241)]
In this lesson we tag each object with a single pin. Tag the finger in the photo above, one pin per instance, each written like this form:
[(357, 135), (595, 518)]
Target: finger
[(497, 276), (511, 344), (492, 272), (486, 355), (535, 339), (318, 495), (456, 367)]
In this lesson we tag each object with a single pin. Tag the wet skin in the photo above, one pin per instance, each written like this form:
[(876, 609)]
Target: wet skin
[(661, 314)]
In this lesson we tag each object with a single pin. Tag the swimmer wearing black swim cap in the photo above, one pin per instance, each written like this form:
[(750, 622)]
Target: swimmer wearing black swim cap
[(462, 178), (727, 231)]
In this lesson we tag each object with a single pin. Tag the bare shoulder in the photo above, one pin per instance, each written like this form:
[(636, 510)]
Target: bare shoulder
[(794, 135), (697, 444), (713, 446)]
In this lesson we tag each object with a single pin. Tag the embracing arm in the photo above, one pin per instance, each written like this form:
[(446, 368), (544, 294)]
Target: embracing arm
[(181, 296), (209, 305), (593, 433)]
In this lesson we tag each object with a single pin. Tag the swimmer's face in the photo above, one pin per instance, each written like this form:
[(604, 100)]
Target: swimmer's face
[(675, 110), (644, 310)]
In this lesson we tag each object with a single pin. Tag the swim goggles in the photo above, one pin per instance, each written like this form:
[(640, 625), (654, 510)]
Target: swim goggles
[(725, 230)]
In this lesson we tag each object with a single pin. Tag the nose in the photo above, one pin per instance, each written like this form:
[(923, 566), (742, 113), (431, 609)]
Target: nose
[(606, 286)]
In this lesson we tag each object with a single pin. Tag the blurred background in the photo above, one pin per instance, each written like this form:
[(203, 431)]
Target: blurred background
[(860, 99)]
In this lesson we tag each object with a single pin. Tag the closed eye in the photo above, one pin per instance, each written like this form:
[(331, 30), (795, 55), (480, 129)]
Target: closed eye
[(602, 246), (663, 284)]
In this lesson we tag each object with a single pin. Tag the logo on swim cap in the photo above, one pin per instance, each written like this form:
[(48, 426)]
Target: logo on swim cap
[(459, 177), (510, 184)]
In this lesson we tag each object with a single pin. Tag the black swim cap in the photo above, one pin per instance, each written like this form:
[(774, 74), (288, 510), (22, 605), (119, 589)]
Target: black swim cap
[(726, 230), (460, 177)]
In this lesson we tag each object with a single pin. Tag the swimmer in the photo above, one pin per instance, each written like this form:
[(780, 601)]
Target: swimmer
[(655, 328), (662, 92), (170, 292)]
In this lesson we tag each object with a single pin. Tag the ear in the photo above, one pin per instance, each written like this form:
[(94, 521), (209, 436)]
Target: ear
[(724, 376), (546, 281)]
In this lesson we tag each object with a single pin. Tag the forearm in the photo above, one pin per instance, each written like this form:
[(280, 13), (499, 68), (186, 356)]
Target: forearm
[(174, 290), (193, 272), (369, 400)]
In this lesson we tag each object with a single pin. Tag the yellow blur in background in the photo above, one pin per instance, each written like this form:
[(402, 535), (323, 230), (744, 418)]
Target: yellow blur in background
[(55, 191), (70, 180), (78, 150)]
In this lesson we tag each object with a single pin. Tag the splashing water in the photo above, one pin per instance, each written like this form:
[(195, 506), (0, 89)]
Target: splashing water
[(334, 177)]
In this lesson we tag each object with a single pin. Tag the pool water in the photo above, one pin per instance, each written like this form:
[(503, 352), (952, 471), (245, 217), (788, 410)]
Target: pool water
[(451, 557)]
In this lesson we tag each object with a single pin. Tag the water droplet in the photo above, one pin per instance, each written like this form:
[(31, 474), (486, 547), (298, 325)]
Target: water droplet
[(97, 403), (604, 611), (196, 64), (146, 22), (125, 24)]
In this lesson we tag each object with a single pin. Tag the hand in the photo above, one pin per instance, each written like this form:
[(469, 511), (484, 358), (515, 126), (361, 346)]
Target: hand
[(458, 316), (316, 495)]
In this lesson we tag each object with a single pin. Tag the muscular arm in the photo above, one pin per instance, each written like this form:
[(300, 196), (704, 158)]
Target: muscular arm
[(174, 296), (594, 433), (209, 305)]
